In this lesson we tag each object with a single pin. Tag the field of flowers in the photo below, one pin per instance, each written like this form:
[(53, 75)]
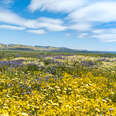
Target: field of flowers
[(58, 85)]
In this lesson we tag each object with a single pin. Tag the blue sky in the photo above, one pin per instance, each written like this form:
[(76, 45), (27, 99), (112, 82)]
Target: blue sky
[(77, 24)]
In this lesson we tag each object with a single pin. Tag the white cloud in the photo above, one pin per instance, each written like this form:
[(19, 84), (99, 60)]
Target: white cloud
[(39, 32), (80, 27), (56, 5), (48, 23), (100, 31), (92, 15), (97, 31), (10, 27), (96, 12), (107, 35), (83, 15), (52, 27), (7, 16), (51, 24), (50, 20), (82, 35)]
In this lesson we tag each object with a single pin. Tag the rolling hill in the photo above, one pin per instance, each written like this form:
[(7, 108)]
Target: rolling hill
[(36, 48)]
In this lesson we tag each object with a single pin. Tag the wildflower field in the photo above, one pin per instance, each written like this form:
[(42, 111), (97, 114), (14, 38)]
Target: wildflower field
[(36, 84)]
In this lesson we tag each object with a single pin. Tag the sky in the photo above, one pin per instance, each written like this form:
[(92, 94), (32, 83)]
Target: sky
[(76, 24)]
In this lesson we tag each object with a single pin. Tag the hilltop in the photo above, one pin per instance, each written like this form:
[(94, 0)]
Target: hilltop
[(36, 48)]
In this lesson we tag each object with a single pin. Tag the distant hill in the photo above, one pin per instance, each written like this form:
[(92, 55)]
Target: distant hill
[(48, 49), (37, 48)]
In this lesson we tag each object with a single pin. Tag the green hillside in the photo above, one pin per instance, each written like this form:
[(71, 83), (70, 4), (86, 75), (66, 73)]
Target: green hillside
[(35, 48)]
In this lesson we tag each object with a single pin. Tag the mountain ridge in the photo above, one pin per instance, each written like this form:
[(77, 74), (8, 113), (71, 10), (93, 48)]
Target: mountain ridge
[(21, 47), (36, 48)]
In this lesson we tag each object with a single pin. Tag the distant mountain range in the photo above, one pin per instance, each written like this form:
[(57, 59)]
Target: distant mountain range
[(46, 49), (37, 48)]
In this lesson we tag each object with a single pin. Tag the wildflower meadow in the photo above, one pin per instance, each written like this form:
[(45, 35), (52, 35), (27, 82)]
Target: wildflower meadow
[(57, 84)]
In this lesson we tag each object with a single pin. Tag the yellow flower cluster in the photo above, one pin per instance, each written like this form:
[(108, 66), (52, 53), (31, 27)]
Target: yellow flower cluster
[(33, 95)]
